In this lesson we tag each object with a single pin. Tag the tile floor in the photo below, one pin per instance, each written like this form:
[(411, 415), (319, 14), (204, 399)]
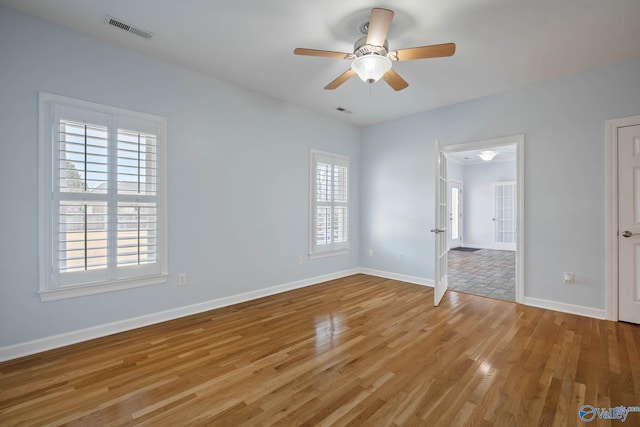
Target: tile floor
[(485, 272)]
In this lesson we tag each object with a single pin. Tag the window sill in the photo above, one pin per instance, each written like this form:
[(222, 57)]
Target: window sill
[(328, 253), (99, 288)]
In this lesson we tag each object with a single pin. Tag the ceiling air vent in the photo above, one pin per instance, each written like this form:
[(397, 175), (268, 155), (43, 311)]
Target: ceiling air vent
[(115, 22)]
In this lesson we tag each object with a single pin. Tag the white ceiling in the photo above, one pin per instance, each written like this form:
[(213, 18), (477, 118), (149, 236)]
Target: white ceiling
[(501, 44)]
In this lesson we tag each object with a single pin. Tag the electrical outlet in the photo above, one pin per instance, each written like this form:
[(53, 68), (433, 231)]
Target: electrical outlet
[(401, 256), (569, 278), (182, 279), (300, 260), (370, 252)]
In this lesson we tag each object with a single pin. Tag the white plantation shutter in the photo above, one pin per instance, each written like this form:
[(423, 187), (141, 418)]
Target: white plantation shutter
[(137, 207), (102, 201), (329, 203)]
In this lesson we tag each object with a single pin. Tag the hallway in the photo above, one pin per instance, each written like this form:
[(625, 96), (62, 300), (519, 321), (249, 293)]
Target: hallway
[(484, 272)]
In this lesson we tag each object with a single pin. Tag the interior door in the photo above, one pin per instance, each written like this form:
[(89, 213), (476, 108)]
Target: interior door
[(455, 214), (440, 230), (504, 218), (629, 224)]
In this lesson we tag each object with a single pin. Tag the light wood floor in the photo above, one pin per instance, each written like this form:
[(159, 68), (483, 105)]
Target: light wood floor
[(358, 351)]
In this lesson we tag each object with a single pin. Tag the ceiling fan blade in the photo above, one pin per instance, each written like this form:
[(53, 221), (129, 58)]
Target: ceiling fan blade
[(422, 52), (394, 80), (325, 53), (340, 79), (379, 24)]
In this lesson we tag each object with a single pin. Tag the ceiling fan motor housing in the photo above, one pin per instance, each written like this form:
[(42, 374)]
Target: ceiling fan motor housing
[(361, 48)]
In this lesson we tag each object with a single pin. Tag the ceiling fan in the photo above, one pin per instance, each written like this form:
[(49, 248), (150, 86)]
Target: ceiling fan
[(371, 59)]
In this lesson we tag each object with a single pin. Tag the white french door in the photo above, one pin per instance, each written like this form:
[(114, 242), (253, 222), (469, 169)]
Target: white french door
[(504, 218), (455, 214), (629, 223), (440, 230)]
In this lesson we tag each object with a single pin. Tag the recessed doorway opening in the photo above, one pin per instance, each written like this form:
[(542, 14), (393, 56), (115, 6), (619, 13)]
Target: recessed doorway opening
[(485, 218)]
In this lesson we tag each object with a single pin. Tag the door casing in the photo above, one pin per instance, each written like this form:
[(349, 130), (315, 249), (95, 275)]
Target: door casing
[(518, 140)]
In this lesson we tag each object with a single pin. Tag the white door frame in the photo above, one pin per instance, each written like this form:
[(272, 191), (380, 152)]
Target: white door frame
[(518, 140), (611, 294)]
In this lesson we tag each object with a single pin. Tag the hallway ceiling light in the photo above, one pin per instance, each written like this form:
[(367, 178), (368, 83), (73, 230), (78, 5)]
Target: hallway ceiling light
[(487, 155)]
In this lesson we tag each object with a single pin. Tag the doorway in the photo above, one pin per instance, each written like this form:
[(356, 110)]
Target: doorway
[(486, 237)]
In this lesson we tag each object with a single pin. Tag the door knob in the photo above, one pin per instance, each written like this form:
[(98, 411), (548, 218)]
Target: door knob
[(627, 233)]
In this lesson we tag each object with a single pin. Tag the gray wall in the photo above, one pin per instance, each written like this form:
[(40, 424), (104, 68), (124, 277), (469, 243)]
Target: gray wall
[(477, 200), (563, 121), (238, 178), (238, 166)]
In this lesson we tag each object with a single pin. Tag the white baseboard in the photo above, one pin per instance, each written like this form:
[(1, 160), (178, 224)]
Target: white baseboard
[(566, 308), (534, 302), (395, 276), (56, 341)]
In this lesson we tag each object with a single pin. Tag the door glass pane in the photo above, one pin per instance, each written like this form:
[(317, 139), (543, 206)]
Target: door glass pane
[(636, 288), (636, 194), (455, 215), (508, 190), (504, 219)]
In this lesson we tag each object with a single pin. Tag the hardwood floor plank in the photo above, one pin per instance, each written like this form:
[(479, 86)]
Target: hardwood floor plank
[(359, 351)]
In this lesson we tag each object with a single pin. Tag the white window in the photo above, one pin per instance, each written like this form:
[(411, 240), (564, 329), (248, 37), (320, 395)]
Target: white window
[(329, 204), (102, 198)]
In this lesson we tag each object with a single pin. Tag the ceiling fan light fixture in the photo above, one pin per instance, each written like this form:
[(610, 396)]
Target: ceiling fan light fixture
[(370, 68), (371, 58), (487, 155)]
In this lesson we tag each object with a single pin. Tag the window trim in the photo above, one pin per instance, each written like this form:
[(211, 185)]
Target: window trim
[(336, 158), (48, 291)]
